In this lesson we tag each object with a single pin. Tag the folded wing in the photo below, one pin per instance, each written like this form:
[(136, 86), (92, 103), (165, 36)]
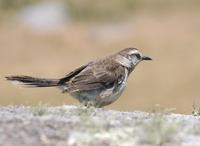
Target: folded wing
[(96, 79)]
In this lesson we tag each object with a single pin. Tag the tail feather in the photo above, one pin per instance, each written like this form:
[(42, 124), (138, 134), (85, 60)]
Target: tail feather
[(33, 82)]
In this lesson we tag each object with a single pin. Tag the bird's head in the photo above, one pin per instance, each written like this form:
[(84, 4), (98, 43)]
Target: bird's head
[(130, 57)]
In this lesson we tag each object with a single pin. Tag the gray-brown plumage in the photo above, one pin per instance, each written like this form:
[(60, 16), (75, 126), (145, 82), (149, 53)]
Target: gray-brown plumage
[(98, 83)]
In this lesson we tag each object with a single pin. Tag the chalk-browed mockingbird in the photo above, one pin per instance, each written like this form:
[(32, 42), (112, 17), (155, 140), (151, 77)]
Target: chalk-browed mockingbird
[(98, 83)]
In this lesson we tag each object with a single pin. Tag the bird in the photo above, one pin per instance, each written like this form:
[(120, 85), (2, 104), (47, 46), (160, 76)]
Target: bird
[(97, 83)]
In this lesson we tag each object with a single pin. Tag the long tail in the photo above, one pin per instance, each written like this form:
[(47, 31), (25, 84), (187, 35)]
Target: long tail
[(33, 82)]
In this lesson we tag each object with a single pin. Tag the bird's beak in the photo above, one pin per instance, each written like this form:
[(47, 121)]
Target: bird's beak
[(146, 58)]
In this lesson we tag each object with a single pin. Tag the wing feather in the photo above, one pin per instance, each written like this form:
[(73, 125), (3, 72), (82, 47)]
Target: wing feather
[(71, 74), (95, 77)]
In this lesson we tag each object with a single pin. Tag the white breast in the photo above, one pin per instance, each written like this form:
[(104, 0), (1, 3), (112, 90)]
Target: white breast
[(110, 95)]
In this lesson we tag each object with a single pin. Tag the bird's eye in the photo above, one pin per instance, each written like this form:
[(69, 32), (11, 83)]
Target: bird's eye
[(138, 56)]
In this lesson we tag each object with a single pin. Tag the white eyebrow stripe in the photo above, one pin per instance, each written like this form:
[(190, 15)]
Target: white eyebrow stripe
[(133, 52)]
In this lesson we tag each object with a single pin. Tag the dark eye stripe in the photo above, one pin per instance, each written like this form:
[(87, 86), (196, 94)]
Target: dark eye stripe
[(138, 56)]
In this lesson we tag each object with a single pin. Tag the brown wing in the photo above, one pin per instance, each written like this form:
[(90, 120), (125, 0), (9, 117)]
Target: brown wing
[(71, 74), (96, 76)]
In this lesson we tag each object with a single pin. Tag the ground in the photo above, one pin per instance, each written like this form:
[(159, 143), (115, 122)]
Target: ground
[(78, 126)]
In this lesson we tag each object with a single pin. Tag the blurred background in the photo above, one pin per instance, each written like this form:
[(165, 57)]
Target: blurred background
[(51, 38)]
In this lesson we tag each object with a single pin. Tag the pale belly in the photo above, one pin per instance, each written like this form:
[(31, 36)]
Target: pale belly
[(106, 100), (99, 98)]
